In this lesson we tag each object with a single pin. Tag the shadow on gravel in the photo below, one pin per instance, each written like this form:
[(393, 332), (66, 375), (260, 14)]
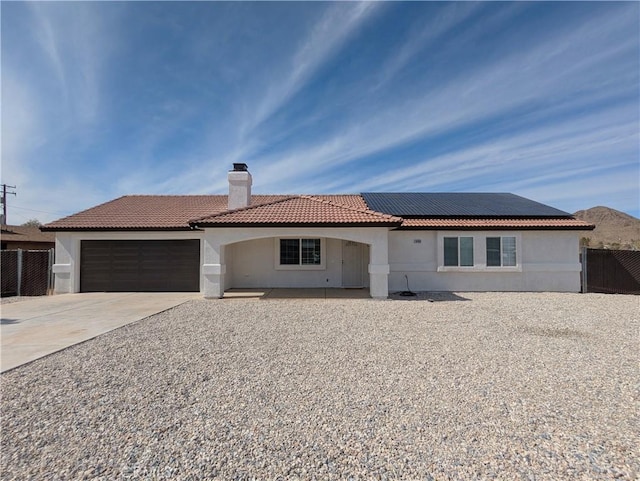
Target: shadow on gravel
[(9, 321), (428, 296)]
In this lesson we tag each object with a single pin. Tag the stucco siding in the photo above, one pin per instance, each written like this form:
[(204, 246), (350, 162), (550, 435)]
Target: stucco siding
[(253, 264), (552, 247), (547, 261), (243, 258)]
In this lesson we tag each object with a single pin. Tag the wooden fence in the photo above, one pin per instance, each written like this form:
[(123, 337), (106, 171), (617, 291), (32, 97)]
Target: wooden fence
[(26, 272), (611, 271)]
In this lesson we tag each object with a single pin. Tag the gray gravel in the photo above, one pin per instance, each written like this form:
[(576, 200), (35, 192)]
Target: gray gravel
[(470, 386), (12, 299)]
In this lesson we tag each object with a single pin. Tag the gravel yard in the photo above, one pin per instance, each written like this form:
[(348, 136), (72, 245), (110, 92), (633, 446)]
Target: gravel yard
[(469, 386), (11, 300)]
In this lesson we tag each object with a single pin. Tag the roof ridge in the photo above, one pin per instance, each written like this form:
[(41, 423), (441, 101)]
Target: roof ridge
[(172, 195), (349, 207), (241, 209), (307, 197)]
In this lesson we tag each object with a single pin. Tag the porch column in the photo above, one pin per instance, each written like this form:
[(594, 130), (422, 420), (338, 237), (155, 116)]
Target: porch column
[(213, 266), (379, 266)]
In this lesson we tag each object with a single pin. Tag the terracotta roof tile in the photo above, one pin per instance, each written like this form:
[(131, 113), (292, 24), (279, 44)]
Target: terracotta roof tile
[(150, 212), (350, 200), (176, 212), (532, 224), (301, 210)]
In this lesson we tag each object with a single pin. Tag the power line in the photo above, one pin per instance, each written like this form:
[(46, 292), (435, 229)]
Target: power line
[(42, 211)]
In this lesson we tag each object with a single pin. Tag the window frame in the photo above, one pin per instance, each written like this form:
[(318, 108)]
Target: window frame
[(479, 251), (300, 266), (501, 253), (459, 254)]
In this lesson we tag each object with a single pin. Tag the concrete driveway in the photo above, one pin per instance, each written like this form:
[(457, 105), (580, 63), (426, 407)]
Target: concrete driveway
[(34, 328)]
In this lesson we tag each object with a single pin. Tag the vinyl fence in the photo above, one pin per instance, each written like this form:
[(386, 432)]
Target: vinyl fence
[(26, 272), (611, 271)]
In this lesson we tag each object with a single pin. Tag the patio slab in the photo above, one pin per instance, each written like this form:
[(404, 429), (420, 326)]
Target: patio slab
[(297, 293)]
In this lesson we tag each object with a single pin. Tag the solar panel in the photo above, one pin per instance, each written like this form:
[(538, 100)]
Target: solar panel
[(467, 204)]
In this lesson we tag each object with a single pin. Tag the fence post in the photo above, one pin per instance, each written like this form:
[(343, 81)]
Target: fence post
[(50, 272), (585, 249), (19, 269)]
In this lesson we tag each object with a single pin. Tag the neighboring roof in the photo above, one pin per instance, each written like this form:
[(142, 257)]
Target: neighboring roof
[(18, 233), (440, 204), (496, 224), (301, 210)]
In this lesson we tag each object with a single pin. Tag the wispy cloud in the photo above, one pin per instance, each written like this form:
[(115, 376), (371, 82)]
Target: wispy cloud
[(527, 156), (47, 37), (51, 93), (75, 43), (20, 127), (522, 78), (327, 38), (163, 97), (423, 35)]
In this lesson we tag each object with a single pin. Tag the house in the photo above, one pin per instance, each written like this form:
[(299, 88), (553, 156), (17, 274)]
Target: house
[(209, 243), (27, 238)]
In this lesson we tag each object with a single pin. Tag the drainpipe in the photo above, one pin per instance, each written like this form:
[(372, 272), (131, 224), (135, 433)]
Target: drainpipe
[(50, 276)]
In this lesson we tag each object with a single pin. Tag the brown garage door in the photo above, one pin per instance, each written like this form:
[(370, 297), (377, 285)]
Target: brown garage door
[(140, 266)]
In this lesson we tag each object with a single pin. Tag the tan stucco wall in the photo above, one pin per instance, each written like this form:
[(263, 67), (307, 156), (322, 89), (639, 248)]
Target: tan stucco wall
[(547, 261), (231, 257)]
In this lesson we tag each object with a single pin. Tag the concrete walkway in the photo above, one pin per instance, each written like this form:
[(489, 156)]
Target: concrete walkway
[(34, 328), (298, 293)]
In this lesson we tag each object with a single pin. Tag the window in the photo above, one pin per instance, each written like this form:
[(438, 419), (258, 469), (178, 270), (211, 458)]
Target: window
[(458, 251), (300, 252), (501, 251)]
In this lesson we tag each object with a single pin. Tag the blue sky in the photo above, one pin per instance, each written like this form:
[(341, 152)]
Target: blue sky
[(112, 98)]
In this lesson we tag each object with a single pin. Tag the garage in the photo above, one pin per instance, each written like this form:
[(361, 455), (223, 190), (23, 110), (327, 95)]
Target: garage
[(140, 265)]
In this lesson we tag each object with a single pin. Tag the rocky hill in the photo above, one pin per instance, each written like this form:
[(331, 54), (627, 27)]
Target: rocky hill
[(614, 229)]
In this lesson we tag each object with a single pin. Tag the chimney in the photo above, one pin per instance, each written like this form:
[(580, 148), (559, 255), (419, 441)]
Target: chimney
[(239, 187)]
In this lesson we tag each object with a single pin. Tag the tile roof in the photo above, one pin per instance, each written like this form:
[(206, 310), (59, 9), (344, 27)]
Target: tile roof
[(351, 200), (564, 223), (177, 212), (301, 210), (149, 212), (21, 233)]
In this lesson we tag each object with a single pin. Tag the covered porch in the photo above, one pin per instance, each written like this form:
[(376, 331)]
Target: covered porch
[(244, 259)]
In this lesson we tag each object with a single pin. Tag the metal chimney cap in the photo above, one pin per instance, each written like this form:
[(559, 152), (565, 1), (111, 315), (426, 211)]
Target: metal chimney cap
[(240, 167)]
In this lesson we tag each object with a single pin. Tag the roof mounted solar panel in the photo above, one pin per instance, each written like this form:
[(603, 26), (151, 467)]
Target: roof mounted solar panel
[(465, 204)]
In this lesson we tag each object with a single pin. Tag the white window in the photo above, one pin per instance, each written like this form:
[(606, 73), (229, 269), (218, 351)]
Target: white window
[(458, 251), (299, 253), (501, 251)]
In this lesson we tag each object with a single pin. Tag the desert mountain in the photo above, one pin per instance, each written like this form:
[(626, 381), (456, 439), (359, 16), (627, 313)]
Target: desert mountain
[(614, 229)]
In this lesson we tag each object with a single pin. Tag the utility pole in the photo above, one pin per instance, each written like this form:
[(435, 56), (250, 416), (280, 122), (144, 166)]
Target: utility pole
[(4, 200)]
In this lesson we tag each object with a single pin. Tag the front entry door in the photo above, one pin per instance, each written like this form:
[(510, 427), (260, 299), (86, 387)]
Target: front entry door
[(352, 263)]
